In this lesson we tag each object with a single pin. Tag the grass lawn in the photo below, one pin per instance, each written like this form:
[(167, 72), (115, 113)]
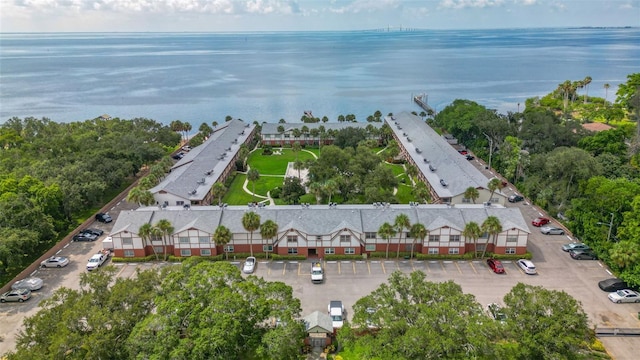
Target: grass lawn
[(396, 168), (236, 195), (405, 194), (275, 164)]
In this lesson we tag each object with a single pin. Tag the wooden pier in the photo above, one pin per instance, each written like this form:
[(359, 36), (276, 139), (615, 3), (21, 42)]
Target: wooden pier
[(421, 100)]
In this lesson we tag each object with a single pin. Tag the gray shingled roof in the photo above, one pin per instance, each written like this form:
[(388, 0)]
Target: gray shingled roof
[(318, 320), (449, 165), (193, 175), (319, 219)]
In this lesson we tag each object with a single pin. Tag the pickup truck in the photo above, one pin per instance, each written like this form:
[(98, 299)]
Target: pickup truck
[(97, 260), (317, 274)]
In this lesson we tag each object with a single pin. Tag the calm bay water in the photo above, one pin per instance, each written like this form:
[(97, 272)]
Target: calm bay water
[(203, 77)]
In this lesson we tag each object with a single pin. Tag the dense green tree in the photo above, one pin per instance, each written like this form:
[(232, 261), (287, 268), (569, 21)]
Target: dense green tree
[(417, 319), (292, 190), (627, 91), (350, 137)]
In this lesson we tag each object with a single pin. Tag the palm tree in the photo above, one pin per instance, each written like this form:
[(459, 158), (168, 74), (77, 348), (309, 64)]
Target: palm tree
[(251, 223), (221, 237), (298, 165), (134, 195), (386, 231), (296, 147), (330, 187), (492, 227), (146, 232), (253, 176), (586, 82), (471, 193), (166, 229), (494, 185), (606, 93), (268, 230), (472, 231), (418, 231), (218, 190), (402, 222), (316, 189), (565, 89), (215, 124)]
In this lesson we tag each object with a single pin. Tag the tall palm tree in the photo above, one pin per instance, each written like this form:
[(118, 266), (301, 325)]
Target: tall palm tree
[(146, 231), (330, 187), (418, 231), (402, 222), (298, 165), (221, 237), (471, 193), (606, 93), (134, 195), (316, 189), (387, 231), (167, 229), (472, 231), (586, 82), (218, 190), (494, 185), (296, 147), (492, 226), (565, 90), (251, 223), (269, 230), (253, 176)]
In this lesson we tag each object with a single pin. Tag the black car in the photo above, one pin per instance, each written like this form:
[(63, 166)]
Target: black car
[(470, 157), (96, 232), (515, 198), (84, 237), (582, 255), (613, 284), (102, 217), (178, 156)]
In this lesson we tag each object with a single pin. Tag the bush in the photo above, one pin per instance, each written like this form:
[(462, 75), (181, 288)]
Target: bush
[(288, 257), (276, 192), (135, 259), (267, 150), (342, 257)]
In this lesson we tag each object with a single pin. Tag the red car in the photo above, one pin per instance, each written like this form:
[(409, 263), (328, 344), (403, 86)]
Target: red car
[(540, 221), (496, 266)]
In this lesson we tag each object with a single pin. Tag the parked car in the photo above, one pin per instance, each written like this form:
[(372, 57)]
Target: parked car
[(612, 284), (96, 232), (625, 296), (19, 295), (336, 311), (463, 152), (527, 266), (515, 198), (575, 246), (55, 261), (582, 254), (178, 156), (496, 266), (496, 312), (540, 221), (249, 265), (30, 283), (469, 157), (84, 237), (102, 217), (551, 230)]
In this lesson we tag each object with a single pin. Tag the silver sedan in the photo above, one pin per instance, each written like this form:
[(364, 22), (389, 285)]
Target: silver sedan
[(30, 283), (551, 230)]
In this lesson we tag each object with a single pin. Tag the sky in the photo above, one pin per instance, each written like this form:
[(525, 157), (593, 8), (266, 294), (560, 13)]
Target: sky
[(308, 15)]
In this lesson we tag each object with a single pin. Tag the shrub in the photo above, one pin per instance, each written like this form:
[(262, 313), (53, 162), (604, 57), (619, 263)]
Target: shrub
[(342, 257), (276, 192), (288, 257)]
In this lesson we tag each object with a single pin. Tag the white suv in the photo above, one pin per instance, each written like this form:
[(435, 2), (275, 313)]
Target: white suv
[(336, 311), (527, 266)]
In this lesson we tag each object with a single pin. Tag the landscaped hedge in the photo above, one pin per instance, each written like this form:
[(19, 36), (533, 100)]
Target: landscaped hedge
[(392, 254), (467, 256), (343, 257), (288, 257)]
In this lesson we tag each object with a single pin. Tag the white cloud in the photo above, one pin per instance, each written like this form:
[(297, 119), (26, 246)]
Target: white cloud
[(362, 6), (461, 4)]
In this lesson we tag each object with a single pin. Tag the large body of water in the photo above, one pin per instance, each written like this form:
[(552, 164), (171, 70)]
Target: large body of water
[(203, 77)]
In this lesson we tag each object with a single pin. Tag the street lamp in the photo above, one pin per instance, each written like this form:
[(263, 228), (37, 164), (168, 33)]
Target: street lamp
[(490, 148), (610, 225)]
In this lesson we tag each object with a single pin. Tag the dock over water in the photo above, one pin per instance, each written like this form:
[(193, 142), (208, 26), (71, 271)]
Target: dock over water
[(421, 100)]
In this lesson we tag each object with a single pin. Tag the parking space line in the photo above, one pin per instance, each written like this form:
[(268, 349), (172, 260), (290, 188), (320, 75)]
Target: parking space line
[(473, 267), (412, 267), (354, 267), (339, 269), (369, 267), (299, 267), (121, 270), (383, 269), (458, 266), (442, 265), (284, 269)]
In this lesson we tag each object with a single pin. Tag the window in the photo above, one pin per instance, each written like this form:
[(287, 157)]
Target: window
[(318, 237), (466, 201), (494, 200), (512, 238), (205, 252), (129, 253), (510, 251), (369, 235), (454, 237), (204, 239), (267, 248), (156, 238), (407, 235), (158, 249), (454, 251), (228, 248), (481, 247), (370, 247), (434, 238), (350, 251), (183, 239), (180, 203), (484, 235), (329, 251), (127, 241), (292, 238), (433, 251), (292, 251), (185, 252), (345, 238)]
